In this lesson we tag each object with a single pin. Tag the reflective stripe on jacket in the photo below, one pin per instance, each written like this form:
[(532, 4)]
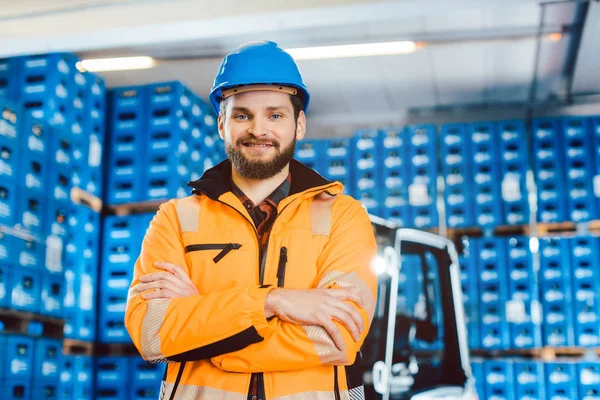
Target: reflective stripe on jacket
[(320, 238)]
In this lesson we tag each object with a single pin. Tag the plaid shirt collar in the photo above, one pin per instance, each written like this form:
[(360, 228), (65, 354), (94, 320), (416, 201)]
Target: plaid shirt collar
[(273, 199)]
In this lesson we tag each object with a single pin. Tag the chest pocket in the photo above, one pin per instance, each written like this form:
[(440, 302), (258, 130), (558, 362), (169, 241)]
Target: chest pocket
[(224, 249)]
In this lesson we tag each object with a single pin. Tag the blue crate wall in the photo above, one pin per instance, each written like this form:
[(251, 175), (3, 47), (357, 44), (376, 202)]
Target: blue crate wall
[(491, 260), (422, 175), (486, 173), (8, 203), (585, 270), (556, 292), (146, 378), (549, 169), (457, 170), (529, 380), (47, 360), (10, 148), (94, 124), (367, 169), (16, 389), (52, 294), (499, 379), (514, 162), (588, 374), (337, 160), (579, 163), (18, 357), (26, 288), (524, 313), (595, 128), (394, 176), (469, 278), (126, 124), (561, 380)]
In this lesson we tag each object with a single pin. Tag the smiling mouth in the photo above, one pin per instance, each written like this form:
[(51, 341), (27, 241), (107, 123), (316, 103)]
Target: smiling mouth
[(258, 145)]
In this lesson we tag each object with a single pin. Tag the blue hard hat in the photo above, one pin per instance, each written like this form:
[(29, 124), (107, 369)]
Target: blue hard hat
[(259, 62)]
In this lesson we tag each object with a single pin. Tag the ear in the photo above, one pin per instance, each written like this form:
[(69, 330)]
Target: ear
[(220, 126), (301, 126)]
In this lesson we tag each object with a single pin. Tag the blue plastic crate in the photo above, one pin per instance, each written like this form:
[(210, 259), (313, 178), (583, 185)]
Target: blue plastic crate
[(512, 145), (469, 277), (31, 211), (127, 106), (9, 158), (18, 357), (370, 199), (529, 380), (579, 164), (111, 317), (422, 175), (458, 175), (585, 270), (166, 186), (26, 290), (589, 380), (123, 185), (561, 380), (60, 183), (173, 95), (9, 78), (9, 120), (95, 100), (47, 87), (549, 169), (47, 360), (8, 204), (8, 252), (16, 389), (52, 294), (524, 312), (146, 379), (485, 164), (34, 137), (59, 214), (112, 376), (499, 383), (5, 286), (30, 253), (310, 153), (45, 391), (33, 172), (366, 153), (85, 325)]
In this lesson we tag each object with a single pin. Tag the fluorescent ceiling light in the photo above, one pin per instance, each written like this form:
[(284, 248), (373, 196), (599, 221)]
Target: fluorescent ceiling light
[(116, 64), (353, 50)]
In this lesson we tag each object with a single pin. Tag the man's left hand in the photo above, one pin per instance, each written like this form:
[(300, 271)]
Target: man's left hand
[(167, 285)]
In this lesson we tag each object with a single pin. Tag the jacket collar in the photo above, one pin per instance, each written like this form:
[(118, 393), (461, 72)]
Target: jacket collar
[(217, 180)]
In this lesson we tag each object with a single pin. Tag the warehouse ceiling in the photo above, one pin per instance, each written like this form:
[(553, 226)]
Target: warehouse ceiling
[(474, 52)]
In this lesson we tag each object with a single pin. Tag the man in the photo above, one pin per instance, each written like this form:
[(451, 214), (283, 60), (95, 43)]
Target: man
[(260, 285)]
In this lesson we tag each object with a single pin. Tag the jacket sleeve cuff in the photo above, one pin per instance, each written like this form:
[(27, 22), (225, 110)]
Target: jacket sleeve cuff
[(258, 296)]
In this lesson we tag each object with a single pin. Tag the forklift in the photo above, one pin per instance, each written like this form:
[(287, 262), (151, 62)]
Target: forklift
[(417, 345)]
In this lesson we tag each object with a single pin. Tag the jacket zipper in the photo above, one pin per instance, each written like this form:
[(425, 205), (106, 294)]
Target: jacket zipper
[(226, 248), (281, 267)]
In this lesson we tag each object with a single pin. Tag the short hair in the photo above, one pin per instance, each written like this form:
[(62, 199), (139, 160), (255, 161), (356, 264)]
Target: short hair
[(297, 105)]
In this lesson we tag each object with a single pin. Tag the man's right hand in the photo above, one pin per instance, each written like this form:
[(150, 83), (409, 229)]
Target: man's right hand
[(318, 307)]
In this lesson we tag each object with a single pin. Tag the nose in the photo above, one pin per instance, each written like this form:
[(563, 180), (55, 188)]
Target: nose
[(258, 127)]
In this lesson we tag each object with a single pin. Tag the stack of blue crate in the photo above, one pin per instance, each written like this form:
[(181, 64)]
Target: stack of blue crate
[(524, 314), (579, 162), (588, 373), (499, 379), (337, 161), (123, 236), (395, 172), (585, 273), (512, 143), (529, 380), (367, 169), (76, 378), (595, 128), (310, 153), (485, 162), (469, 278), (17, 362), (549, 170), (120, 378), (422, 175), (556, 291), (457, 171), (176, 131)]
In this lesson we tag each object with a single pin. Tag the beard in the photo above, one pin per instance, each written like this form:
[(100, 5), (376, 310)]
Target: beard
[(260, 170)]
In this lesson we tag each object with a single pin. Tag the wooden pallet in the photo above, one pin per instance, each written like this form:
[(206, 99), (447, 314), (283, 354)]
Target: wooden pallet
[(543, 353), (135, 208), (24, 323), (78, 347), (115, 349), (80, 196)]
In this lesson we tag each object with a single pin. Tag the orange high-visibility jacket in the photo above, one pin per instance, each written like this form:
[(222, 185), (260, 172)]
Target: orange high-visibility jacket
[(216, 340)]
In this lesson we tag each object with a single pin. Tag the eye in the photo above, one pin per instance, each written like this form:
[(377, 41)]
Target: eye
[(276, 116), (240, 117)]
